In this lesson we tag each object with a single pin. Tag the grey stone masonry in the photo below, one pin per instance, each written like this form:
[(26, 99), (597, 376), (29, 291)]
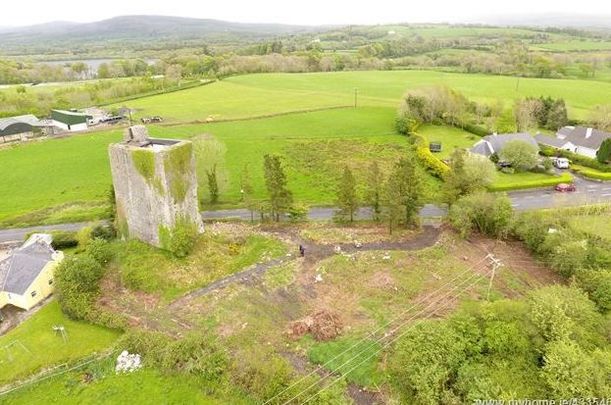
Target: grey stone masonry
[(155, 185)]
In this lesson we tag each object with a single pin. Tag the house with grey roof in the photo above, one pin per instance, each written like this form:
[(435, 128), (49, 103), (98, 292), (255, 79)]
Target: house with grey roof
[(581, 140), (18, 128), (491, 144), (26, 275)]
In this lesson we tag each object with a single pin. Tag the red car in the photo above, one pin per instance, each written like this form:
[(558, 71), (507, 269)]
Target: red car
[(564, 187)]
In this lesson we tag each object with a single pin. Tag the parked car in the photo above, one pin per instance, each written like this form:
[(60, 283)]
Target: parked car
[(561, 163), (564, 187)]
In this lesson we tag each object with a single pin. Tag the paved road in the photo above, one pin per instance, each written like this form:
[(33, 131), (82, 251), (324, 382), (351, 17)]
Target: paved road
[(588, 192)]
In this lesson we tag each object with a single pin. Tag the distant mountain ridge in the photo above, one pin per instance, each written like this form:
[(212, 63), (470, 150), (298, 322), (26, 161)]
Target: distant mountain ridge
[(140, 28)]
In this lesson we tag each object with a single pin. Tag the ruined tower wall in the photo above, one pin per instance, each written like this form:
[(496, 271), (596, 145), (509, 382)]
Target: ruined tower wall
[(155, 189)]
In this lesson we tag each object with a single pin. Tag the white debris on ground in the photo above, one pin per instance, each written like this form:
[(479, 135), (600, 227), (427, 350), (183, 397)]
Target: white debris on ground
[(358, 244), (126, 363), (337, 250), (386, 257), (318, 278)]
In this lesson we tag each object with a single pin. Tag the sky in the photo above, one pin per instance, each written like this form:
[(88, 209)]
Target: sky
[(306, 12)]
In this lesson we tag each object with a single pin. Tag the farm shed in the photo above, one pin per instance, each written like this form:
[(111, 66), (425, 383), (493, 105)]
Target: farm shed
[(70, 120), (18, 128)]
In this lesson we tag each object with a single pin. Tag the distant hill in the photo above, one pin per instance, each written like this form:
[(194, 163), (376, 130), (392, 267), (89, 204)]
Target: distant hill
[(136, 28), (559, 20)]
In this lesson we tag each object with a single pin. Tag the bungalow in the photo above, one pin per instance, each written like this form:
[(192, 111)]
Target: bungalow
[(491, 144), (18, 128), (581, 140), (26, 275), (70, 120)]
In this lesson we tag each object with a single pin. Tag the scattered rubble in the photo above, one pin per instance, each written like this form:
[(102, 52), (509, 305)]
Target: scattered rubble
[(127, 363)]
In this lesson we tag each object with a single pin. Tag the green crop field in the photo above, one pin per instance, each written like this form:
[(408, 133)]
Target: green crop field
[(261, 94), (34, 344)]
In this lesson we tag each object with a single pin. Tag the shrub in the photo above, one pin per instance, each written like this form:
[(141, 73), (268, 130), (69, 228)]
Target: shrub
[(105, 231), (521, 155), (197, 354), (598, 286), (83, 236), (64, 240), (432, 163), (425, 360), (298, 212), (100, 250), (77, 285), (487, 213), (181, 239)]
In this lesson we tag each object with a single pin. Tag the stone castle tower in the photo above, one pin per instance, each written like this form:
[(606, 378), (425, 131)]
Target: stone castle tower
[(155, 187)]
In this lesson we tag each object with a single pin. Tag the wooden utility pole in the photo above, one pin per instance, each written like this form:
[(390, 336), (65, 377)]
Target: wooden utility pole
[(356, 91), (495, 264)]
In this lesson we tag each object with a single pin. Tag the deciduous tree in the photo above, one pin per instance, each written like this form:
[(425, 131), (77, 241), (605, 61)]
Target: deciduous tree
[(347, 200)]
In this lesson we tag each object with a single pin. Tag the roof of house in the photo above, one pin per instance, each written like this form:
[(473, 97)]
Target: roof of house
[(550, 140), (482, 148), (495, 143), (23, 266), (585, 137)]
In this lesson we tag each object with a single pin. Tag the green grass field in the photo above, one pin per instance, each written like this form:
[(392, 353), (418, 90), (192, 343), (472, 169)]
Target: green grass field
[(45, 348), (107, 387), (568, 46), (259, 94), (315, 145), (64, 180)]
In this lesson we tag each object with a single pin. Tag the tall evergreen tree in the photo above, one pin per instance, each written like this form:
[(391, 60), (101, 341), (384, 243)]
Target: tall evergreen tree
[(247, 191), (213, 185), (406, 180), (374, 190), (280, 196), (604, 153), (347, 200)]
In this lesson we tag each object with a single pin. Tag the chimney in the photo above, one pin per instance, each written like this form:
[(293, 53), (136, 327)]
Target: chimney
[(588, 132)]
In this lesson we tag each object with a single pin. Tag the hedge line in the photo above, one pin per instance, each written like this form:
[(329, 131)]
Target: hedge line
[(564, 178), (430, 161), (591, 173)]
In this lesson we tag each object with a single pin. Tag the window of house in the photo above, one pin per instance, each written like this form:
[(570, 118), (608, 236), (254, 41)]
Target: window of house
[(34, 293)]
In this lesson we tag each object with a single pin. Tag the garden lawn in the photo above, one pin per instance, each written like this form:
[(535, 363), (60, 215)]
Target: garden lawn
[(516, 181), (46, 347), (450, 138)]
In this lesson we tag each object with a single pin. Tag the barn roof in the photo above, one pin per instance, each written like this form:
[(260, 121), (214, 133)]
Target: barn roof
[(28, 119)]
